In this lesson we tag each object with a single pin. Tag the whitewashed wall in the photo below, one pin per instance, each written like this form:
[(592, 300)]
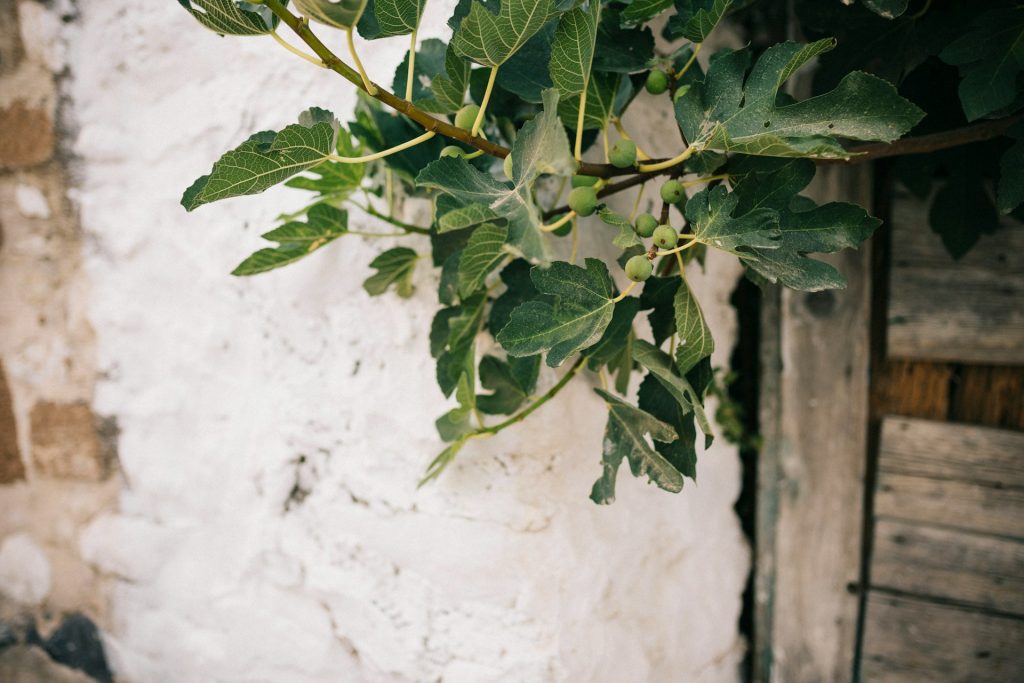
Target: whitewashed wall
[(274, 428)]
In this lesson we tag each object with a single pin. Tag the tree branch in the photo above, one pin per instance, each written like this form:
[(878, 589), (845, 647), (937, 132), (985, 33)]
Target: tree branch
[(429, 122), (920, 144), (933, 142), (916, 145)]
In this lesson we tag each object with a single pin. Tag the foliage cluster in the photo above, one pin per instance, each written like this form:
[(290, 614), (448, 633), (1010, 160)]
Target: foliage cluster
[(500, 117)]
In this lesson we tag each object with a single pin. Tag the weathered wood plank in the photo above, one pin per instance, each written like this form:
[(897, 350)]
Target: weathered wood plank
[(970, 310), (924, 448), (909, 640), (811, 472), (960, 566), (952, 503)]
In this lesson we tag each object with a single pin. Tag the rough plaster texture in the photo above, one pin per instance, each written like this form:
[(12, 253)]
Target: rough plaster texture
[(273, 429), (51, 482)]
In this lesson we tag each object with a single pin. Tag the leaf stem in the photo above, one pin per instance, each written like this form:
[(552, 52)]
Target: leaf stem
[(478, 124), (636, 203), (296, 51), (408, 227), (677, 249), (580, 117), (412, 65), (544, 398), (551, 227), (575, 241), (625, 292), (668, 163), (387, 152), (367, 83), (617, 122), (705, 179), (604, 140), (690, 61), (360, 233)]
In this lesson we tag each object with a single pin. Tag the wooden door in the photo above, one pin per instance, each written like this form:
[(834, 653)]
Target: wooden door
[(890, 501)]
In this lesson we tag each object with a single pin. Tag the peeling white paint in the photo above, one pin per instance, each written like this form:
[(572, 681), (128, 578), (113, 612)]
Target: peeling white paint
[(24, 570), (31, 201), (274, 428)]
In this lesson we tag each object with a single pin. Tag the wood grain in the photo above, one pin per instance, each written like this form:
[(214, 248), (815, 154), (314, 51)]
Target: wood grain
[(990, 395), (914, 389), (910, 640), (942, 450), (949, 564), (812, 470), (971, 310)]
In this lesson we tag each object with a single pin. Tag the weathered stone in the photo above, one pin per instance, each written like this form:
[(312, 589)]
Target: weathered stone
[(11, 466), (76, 644), (28, 137), (26, 664), (65, 442), (11, 51)]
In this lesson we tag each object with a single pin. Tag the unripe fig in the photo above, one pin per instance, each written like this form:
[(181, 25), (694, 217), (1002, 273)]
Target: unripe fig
[(622, 153), (466, 117), (673, 192), (639, 268), (562, 230), (657, 82), (645, 225), (583, 200), (507, 166), (666, 237), (584, 181), (452, 151)]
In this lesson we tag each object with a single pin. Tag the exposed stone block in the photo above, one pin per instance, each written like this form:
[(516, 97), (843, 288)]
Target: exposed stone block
[(27, 664), (11, 51), (28, 136), (11, 466), (66, 442)]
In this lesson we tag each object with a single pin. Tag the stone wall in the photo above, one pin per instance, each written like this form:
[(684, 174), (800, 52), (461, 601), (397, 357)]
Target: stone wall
[(58, 462), (267, 524)]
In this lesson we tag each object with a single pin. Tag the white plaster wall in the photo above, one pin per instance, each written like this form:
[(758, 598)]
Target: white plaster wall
[(230, 392)]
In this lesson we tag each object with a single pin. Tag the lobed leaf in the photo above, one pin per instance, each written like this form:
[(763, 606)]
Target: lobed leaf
[(540, 147), (733, 111), (483, 253), (773, 185), (575, 314), (324, 223), (386, 18), (231, 17), (394, 267), (336, 13), (266, 159), (490, 39), (511, 383), (695, 340), (572, 48), (694, 20), (625, 437), (991, 58), (627, 236)]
